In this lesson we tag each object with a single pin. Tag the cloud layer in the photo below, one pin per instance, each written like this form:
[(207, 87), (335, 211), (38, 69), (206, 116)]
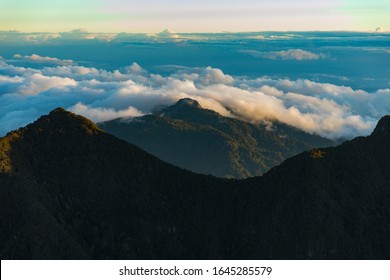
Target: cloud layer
[(43, 59), (291, 54), (324, 109)]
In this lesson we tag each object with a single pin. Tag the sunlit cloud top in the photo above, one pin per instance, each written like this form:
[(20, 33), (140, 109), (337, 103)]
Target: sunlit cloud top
[(193, 16)]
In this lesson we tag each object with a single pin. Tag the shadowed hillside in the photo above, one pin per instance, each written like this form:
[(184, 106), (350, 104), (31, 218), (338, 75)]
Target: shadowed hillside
[(71, 191), (200, 140)]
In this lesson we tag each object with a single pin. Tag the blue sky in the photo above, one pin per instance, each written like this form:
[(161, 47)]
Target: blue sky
[(193, 16), (73, 54)]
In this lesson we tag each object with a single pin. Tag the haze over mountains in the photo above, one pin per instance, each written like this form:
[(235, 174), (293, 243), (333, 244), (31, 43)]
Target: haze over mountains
[(68, 190), (203, 141)]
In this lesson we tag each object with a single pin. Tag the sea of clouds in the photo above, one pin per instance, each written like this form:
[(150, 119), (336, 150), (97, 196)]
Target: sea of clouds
[(325, 109)]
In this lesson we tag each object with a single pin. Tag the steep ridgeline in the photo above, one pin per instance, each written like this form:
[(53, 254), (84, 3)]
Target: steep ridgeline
[(203, 141), (71, 191), (332, 203)]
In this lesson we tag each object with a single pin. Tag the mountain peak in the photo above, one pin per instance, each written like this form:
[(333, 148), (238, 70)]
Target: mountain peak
[(184, 108), (383, 127), (58, 110), (62, 120), (188, 102), (59, 113)]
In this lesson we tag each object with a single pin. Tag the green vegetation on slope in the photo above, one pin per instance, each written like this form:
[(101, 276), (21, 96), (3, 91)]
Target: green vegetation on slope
[(205, 142), (72, 191)]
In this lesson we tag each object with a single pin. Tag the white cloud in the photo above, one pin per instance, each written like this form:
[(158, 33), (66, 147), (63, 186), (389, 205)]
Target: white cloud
[(210, 76), (35, 84), (44, 59), (164, 36), (135, 69), (46, 37), (321, 108), (292, 54), (104, 114), (83, 34), (41, 37), (167, 34)]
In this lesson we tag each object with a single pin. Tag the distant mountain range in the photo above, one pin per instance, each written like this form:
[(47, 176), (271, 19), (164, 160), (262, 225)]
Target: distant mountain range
[(203, 141), (68, 190)]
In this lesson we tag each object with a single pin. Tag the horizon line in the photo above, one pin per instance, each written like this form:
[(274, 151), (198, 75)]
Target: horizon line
[(167, 30)]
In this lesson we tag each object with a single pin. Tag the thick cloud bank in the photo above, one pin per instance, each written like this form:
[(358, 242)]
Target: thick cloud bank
[(325, 109)]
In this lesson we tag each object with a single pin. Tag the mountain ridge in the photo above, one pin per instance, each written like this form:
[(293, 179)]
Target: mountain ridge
[(194, 138), (76, 192)]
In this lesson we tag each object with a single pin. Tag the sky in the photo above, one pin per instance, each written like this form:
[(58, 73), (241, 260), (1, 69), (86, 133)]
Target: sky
[(82, 55), (193, 16)]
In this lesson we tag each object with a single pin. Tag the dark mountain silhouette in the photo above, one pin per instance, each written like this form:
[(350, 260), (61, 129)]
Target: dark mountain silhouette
[(329, 202), (71, 191), (203, 141)]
